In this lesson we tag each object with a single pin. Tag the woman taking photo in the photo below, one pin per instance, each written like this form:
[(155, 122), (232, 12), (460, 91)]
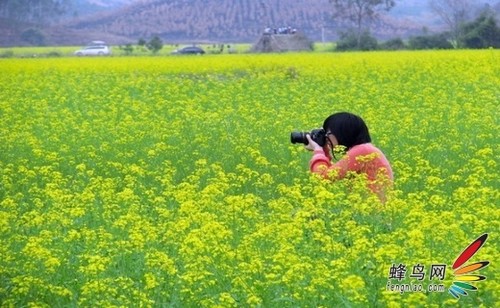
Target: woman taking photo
[(361, 157)]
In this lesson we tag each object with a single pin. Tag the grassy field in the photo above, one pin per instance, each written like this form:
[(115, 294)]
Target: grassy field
[(171, 181)]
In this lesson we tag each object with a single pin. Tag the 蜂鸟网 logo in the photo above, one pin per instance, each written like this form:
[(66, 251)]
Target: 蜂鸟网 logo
[(463, 274)]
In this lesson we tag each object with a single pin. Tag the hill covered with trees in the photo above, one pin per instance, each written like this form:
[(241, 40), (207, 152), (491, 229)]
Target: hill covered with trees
[(184, 21)]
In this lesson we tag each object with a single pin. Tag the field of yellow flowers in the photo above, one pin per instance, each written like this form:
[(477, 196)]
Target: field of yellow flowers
[(171, 181)]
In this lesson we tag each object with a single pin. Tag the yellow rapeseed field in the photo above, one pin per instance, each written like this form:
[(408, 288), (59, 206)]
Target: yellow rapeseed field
[(171, 181)]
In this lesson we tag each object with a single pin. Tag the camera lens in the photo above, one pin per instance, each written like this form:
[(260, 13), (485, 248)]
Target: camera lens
[(298, 137)]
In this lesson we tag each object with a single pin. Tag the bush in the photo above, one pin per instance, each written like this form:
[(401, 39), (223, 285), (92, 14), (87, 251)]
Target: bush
[(349, 41), (7, 54), (128, 49), (393, 44), (54, 54), (436, 41)]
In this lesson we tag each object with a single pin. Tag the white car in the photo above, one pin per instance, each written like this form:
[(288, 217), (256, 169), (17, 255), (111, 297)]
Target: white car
[(94, 50)]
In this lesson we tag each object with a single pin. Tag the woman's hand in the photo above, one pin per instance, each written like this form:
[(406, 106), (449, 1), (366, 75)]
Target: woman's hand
[(312, 146)]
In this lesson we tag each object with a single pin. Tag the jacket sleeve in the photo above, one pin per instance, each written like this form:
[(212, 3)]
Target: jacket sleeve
[(321, 164)]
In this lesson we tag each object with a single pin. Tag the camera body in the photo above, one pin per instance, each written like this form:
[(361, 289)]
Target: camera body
[(318, 135)]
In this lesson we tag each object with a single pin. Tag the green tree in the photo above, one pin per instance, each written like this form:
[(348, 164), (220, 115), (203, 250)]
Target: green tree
[(482, 32), (360, 13), (454, 13), (155, 44)]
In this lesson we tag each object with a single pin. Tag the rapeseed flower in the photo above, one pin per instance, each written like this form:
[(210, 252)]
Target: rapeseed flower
[(172, 181)]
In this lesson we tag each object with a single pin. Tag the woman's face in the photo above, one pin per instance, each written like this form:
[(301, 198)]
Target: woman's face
[(331, 139)]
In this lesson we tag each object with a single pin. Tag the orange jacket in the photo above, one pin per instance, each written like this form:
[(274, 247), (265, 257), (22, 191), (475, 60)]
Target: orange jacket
[(362, 158)]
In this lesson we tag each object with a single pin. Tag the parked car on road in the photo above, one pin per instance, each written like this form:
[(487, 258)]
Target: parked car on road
[(96, 48), (191, 50)]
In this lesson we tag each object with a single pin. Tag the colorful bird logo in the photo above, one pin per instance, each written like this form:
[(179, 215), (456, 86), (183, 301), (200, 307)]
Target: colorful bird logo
[(463, 274)]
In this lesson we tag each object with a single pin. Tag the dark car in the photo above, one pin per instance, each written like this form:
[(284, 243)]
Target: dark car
[(192, 50)]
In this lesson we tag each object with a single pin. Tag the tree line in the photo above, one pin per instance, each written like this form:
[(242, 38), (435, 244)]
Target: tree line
[(481, 32)]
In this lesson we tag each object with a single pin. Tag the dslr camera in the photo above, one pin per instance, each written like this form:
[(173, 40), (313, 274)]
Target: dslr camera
[(318, 135)]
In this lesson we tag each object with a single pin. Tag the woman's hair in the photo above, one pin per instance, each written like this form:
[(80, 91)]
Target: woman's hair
[(348, 128)]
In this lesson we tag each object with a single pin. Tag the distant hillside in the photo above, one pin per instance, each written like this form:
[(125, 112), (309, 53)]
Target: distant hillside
[(201, 20), (224, 20), (177, 21), (81, 8)]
